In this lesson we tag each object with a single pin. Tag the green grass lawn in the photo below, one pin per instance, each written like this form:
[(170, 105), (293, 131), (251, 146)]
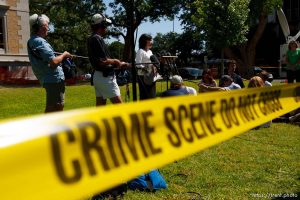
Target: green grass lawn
[(265, 161), (26, 101), (258, 162)]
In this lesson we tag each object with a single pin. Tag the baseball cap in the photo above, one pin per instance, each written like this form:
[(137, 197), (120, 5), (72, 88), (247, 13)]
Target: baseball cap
[(176, 79), (99, 19)]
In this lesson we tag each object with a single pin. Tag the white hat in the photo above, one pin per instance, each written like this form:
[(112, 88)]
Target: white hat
[(176, 79), (99, 18)]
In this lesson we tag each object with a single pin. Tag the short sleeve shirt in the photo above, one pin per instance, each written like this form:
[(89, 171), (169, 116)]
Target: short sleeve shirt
[(173, 92), (233, 86), (97, 50), (40, 61), (143, 56), (191, 90), (293, 57), (179, 92)]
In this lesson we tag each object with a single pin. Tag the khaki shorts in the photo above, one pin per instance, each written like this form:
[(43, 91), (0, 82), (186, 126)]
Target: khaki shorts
[(105, 87)]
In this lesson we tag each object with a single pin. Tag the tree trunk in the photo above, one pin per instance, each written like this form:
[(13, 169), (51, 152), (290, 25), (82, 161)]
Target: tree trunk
[(127, 47), (247, 51), (222, 63)]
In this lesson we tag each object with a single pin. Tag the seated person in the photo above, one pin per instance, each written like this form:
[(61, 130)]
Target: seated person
[(178, 88), (264, 75), (226, 83), (207, 80), (231, 72), (254, 82)]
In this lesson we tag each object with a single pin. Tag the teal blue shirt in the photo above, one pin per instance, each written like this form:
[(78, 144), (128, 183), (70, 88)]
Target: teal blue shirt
[(40, 63)]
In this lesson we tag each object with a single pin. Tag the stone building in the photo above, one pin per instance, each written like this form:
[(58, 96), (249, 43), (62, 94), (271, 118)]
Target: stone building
[(14, 32)]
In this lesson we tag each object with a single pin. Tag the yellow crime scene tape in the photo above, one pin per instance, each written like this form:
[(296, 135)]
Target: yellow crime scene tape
[(74, 154)]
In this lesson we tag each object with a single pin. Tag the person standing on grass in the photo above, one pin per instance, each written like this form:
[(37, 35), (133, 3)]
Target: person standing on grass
[(146, 72), (104, 78), (45, 65), (293, 62), (264, 75)]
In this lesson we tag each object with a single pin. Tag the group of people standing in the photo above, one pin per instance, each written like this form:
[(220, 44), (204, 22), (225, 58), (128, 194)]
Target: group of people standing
[(46, 65)]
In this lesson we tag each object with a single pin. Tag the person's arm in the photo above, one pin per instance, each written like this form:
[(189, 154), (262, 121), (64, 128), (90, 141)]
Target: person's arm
[(287, 58), (46, 53), (214, 83), (58, 59), (201, 89), (208, 88), (110, 61), (298, 61), (100, 51), (115, 62)]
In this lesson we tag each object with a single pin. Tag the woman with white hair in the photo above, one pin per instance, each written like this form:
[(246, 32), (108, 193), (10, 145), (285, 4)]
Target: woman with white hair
[(45, 64)]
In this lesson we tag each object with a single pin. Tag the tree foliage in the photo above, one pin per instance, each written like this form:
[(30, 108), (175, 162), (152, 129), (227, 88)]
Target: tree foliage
[(70, 21), (186, 45), (143, 11), (165, 43), (223, 21), (116, 49), (260, 8), (226, 24)]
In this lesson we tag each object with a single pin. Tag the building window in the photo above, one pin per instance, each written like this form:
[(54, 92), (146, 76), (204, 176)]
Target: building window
[(2, 34)]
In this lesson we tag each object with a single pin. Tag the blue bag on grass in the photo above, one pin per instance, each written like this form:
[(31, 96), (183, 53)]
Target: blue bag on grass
[(151, 181)]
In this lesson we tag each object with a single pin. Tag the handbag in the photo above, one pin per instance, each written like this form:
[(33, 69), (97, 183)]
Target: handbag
[(149, 77), (69, 68)]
